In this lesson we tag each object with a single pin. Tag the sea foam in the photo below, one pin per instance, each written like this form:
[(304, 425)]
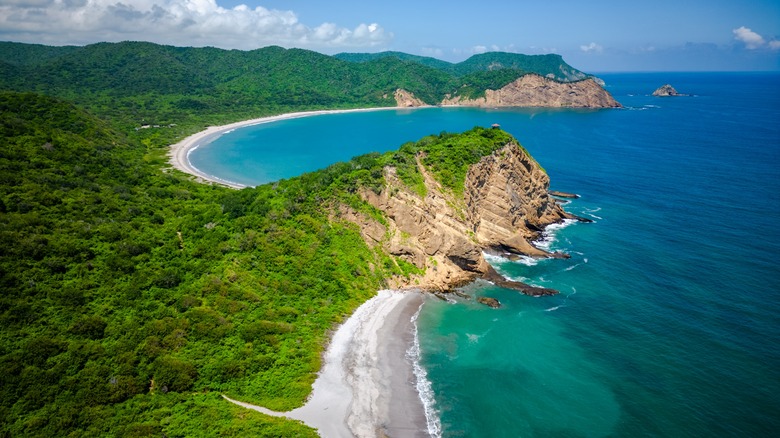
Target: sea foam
[(423, 385)]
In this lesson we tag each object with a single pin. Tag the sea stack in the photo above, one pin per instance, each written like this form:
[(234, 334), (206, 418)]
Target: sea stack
[(666, 90)]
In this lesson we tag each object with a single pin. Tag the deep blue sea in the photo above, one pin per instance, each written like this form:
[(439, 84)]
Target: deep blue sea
[(668, 321)]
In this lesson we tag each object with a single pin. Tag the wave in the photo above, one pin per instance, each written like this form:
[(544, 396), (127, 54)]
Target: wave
[(564, 303), (547, 239), (590, 212), (422, 384), (497, 260)]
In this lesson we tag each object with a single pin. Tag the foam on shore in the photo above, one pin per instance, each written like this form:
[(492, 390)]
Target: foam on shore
[(366, 383), (179, 153)]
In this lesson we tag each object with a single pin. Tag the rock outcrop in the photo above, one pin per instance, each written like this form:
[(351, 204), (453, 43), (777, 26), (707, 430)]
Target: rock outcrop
[(504, 207), (666, 90), (536, 91), (490, 302), (406, 99)]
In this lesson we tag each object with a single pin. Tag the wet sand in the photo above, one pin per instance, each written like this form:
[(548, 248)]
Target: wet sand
[(366, 387), (178, 154)]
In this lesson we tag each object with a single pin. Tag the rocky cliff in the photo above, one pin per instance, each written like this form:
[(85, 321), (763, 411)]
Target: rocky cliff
[(504, 206), (536, 91), (406, 99)]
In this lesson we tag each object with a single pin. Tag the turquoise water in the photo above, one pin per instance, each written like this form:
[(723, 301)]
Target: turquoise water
[(668, 321)]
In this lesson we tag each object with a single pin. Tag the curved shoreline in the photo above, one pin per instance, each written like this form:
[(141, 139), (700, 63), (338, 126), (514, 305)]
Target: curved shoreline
[(178, 153), (366, 386)]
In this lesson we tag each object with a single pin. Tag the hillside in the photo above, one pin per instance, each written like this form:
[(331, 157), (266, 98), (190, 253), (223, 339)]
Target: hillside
[(135, 83), (550, 66), (131, 298)]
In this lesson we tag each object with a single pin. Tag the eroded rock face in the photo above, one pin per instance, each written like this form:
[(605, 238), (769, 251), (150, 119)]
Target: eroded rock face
[(536, 91), (504, 206), (406, 99)]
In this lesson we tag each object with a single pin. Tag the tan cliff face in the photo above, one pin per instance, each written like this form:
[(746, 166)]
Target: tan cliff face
[(504, 205), (406, 99), (536, 91)]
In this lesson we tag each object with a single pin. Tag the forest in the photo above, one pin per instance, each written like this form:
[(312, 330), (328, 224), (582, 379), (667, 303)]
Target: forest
[(135, 83), (131, 296)]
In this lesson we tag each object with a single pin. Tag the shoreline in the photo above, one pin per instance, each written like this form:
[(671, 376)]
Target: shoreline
[(178, 153), (367, 386)]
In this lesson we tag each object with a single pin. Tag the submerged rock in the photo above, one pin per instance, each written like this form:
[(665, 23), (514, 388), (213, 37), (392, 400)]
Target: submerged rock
[(490, 302)]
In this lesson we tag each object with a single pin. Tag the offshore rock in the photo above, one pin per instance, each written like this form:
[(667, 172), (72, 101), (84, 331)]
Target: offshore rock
[(490, 302), (504, 207), (532, 90), (666, 90)]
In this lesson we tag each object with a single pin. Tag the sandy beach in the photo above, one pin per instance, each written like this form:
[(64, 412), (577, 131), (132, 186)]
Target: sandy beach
[(178, 153), (366, 387)]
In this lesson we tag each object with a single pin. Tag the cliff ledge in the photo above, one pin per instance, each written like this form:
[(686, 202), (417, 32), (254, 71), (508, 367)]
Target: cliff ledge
[(504, 206), (532, 90)]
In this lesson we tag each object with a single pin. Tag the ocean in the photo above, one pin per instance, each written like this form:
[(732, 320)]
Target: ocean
[(668, 321)]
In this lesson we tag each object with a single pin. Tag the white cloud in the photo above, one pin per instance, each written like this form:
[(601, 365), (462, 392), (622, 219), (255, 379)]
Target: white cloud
[(176, 22), (751, 39), (774, 45), (592, 48)]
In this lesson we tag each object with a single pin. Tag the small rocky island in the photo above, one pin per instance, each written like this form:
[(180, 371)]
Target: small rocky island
[(666, 90)]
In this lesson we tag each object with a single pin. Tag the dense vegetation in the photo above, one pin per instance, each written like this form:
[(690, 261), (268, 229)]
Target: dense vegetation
[(134, 83), (550, 65), (132, 297)]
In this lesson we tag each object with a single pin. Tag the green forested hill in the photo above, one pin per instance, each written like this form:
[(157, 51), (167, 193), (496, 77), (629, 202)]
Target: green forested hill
[(424, 60), (550, 65), (132, 297), (122, 285), (136, 83)]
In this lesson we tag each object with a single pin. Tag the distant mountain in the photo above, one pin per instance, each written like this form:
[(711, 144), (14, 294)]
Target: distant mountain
[(424, 60), (21, 54), (550, 66), (138, 83)]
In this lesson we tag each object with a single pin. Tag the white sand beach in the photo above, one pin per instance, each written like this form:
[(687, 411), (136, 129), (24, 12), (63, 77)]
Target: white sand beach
[(366, 387), (179, 153)]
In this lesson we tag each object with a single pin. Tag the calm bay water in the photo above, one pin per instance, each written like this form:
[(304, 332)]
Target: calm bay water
[(668, 321)]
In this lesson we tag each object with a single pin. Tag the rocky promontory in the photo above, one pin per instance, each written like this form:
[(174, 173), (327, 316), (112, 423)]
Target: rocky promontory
[(532, 90), (503, 207)]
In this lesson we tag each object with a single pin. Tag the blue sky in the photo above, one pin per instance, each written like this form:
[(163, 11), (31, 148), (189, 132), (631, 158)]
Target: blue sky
[(595, 35)]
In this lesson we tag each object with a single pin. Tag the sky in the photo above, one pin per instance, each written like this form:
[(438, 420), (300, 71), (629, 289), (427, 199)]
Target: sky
[(592, 35)]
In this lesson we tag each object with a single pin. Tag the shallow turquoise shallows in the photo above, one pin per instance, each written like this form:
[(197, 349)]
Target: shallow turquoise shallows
[(668, 321)]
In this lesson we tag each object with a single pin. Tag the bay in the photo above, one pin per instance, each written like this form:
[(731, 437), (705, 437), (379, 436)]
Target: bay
[(668, 321)]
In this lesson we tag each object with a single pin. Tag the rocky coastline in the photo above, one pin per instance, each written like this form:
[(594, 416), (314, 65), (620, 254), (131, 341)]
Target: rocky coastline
[(530, 90), (505, 207)]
